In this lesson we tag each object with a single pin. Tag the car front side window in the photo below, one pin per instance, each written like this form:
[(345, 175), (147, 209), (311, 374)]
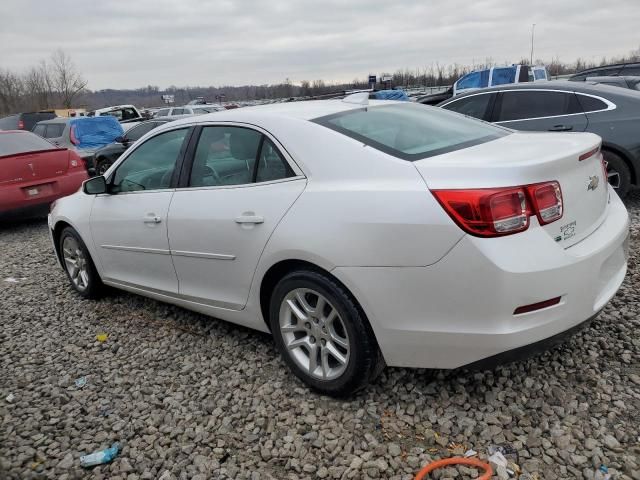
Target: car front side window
[(472, 106), (151, 165)]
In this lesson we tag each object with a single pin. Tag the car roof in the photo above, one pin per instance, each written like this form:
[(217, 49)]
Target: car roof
[(56, 120), (592, 88), (304, 110), (603, 67)]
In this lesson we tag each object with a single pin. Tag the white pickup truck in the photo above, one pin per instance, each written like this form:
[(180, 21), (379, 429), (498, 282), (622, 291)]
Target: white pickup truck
[(127, 115)]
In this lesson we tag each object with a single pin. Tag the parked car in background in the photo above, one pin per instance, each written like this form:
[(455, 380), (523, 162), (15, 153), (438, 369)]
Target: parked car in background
[(121, 112), (632, 83), (34, 173), (105, 156), (562, 106), (84, 135), (188, 110), (445, 241), (24, 121), (607, 71), (488, 77)]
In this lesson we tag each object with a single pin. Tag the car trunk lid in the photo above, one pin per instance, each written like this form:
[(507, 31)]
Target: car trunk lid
[(33, 167), (573, 159)]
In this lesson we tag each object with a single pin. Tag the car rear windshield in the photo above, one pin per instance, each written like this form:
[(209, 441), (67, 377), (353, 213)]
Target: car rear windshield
[(410, 131), (14, 143)]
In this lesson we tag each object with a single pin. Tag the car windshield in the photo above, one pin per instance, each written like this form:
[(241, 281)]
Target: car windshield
[(411, 131), (15, 143)]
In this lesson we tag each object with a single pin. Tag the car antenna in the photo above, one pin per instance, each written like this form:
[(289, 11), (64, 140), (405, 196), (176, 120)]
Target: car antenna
[(360, 98)]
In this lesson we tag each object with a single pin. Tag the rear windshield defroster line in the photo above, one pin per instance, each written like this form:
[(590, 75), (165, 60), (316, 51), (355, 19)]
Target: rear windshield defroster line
[(411, 132)]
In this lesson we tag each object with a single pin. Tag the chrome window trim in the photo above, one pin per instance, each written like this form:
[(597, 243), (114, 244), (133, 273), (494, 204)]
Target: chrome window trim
[(610, 104), (241, 185)]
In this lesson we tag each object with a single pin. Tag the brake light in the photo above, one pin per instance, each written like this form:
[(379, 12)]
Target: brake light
[(495, 212), (20, 125), (72, 135), (547, 201), (589, 154), (74, 160)]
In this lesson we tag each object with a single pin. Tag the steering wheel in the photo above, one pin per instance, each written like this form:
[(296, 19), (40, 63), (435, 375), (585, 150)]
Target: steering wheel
[(209, 171)]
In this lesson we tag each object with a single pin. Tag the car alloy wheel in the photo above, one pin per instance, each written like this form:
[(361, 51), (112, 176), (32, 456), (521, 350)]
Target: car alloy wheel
[(76, 263), (314, 334)]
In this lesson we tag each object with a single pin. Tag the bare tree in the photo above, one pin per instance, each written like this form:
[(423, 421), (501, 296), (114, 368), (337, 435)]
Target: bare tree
[(67, 82)]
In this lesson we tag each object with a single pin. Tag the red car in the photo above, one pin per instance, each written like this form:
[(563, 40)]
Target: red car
[(34, 172)]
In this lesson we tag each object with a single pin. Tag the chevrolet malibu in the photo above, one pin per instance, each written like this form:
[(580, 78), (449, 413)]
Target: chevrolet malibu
[(358, 233)]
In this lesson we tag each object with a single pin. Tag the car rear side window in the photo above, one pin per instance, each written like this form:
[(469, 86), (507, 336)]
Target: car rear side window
[(591, 104), (178, 111), (138, 131), (162, 113), (54, 130), (473, 106), (15, 143), (410, 131), (39, 130), (526, 104)]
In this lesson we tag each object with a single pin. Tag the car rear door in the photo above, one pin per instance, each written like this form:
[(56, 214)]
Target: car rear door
[(237, 188), (539, 110), (129, 224)]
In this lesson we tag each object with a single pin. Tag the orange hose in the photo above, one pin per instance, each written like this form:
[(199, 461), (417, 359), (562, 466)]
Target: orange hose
[(473, 462)]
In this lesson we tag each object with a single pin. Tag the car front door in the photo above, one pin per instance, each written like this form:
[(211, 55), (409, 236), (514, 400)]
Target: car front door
[(539, 110), (238, 188), (129, 224)]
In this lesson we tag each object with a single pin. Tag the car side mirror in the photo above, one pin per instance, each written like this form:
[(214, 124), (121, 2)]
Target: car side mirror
[(95, 186)]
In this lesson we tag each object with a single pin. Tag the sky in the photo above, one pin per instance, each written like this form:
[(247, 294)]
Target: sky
[(134, 43)]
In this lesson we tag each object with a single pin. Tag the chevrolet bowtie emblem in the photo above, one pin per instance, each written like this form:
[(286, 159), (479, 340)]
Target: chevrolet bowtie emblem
[(593, 183)]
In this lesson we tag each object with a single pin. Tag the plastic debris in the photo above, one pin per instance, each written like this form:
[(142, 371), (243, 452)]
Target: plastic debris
[(101, 456), (102, 337), (498, 459), (11, 280), (470, 453), (81, 382), (10, 398)]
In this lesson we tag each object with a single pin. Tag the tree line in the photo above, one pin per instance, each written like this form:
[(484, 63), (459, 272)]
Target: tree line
[(56, 83)]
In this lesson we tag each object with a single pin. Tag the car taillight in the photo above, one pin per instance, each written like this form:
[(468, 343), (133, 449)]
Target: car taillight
[(495, 212), (547, 201), (74, 160), (20, 125), (72, 135)]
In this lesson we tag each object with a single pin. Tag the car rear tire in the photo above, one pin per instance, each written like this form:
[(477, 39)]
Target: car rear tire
[(102, 166), (322, 334), (78, 265), (618, 173)]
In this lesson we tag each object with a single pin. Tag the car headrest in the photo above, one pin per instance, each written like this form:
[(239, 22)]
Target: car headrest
[(243, 143)]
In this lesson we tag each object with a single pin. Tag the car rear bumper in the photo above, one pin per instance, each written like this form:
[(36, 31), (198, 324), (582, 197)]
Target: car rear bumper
[(15, 198), (461, 309)]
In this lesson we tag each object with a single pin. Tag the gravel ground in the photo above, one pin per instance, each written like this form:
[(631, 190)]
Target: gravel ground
[(191, 397)]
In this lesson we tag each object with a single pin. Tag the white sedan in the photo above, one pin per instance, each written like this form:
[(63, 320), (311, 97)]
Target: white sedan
[(359, 234)]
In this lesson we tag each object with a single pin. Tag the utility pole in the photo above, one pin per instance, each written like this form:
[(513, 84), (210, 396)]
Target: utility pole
[(533, 27)]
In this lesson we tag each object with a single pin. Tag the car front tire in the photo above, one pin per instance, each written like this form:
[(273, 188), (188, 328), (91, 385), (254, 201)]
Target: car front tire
[(322, 334), (78, 265), (618, 173)]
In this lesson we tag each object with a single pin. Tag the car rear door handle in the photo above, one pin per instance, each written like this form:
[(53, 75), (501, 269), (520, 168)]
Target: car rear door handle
[(561, 128), (249, 219), (152, 218)]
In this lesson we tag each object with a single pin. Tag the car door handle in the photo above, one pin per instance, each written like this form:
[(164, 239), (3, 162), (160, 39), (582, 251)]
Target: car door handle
[(561, 128), (249, 219), (151, 218)]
